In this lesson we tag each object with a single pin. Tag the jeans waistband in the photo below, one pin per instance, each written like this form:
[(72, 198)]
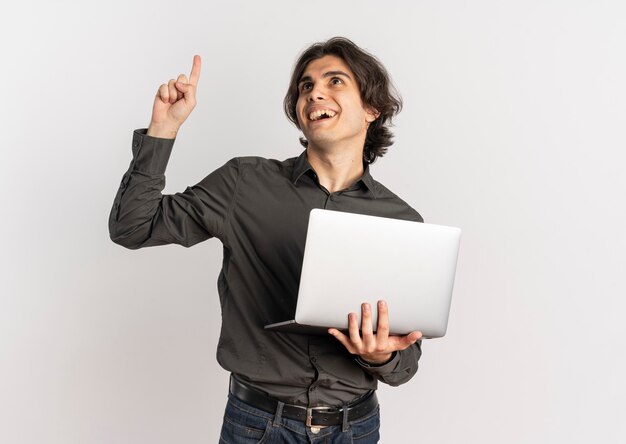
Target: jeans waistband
[(313, 416)]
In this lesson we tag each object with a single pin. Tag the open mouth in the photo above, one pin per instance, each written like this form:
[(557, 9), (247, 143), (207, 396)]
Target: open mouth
[(321, 114)]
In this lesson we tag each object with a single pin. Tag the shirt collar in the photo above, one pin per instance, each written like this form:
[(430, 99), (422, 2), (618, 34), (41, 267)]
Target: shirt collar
[(302, 165)]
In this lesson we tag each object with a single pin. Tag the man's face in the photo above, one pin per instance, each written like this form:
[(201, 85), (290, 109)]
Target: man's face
[(329, 106)]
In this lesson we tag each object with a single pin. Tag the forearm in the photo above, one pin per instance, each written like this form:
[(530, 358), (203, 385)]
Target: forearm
[(139, 195), (142, 216)]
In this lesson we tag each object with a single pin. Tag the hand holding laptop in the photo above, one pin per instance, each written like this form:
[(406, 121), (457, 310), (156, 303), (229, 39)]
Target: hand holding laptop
[(374, 348)]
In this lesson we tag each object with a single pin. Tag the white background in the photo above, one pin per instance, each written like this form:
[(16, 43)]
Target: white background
[(513, 130)]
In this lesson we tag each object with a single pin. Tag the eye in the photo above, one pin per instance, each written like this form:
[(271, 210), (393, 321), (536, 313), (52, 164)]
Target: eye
[(336, 81), (306, 86)]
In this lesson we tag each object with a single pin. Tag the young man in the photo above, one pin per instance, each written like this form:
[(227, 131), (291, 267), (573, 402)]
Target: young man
[(284, 387)]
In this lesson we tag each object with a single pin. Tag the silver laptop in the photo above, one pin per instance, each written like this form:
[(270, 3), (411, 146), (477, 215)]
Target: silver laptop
[(353, 258)]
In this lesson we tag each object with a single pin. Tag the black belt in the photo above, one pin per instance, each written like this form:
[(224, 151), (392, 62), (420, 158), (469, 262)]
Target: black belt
[(315, 416)]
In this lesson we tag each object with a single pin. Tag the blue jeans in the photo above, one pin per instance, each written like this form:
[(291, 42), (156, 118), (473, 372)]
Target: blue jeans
[(244, 424)]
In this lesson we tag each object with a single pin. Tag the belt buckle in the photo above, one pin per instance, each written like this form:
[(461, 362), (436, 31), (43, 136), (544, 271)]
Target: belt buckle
[(309, 418)]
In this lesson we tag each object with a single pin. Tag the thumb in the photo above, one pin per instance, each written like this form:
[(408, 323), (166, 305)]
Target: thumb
[(413, 337), (408, 340), (188, 95), (184, 87), (188, 90)]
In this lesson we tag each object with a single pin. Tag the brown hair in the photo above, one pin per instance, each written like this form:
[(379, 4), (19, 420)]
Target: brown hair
[(377, 90)]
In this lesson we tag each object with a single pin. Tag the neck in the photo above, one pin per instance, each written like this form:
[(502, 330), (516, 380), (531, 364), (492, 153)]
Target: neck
[(336, 169)]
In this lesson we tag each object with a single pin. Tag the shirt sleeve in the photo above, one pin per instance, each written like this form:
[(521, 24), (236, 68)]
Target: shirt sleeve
[(400, 369), (142, 216)]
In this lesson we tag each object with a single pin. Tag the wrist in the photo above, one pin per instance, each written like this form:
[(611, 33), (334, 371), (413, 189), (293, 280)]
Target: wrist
[(162, 131), (377, 359)]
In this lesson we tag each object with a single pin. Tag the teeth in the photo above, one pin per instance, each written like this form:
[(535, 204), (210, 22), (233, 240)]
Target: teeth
[(315, 115)]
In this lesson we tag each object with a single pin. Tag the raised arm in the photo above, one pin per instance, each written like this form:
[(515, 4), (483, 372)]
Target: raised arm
[(141, 215)]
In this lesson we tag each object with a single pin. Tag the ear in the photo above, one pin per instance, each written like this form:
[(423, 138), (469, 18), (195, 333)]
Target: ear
[(371, 114)]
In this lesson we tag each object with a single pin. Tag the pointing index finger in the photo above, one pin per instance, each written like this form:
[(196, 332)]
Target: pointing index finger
[(195, 70)]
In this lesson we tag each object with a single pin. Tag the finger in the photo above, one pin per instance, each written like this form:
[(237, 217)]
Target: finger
[(187, 89), (181, 79), (171, 86), (195, 70), (369, 341), (415, 336), (343, 339), (353, 331), (164, 93), (382, 330), (403, 342)]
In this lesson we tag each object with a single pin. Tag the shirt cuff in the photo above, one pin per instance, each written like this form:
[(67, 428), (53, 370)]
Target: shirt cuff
[(380, 369), (151, 154)]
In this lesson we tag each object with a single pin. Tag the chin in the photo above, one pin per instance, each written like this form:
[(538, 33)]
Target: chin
[(321, 142)]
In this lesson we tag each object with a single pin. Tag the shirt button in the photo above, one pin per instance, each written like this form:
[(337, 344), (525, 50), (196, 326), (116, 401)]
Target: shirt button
[(135, 143)]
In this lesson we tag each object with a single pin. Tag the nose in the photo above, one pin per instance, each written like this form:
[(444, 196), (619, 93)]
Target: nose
[(316, 94)]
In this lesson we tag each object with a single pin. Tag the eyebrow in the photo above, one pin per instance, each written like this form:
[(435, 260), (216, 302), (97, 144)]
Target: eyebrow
[(326, 74)]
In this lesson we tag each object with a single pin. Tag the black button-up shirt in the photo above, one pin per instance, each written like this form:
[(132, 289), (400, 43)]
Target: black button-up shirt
[(259, 210)]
